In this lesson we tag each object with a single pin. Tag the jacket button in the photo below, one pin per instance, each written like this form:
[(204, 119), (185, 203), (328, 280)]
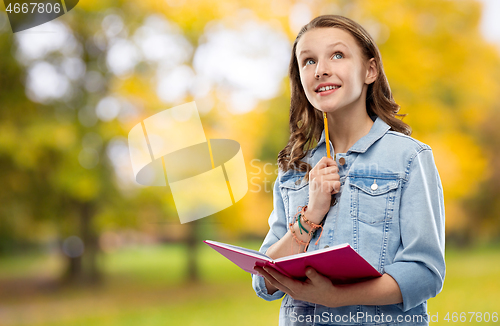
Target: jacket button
[(297, 182), (342, 161), (327, 246)]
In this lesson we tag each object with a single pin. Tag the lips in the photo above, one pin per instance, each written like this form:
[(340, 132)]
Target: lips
[(326, 87)]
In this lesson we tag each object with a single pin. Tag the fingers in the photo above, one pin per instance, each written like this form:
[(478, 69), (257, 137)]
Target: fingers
[(275, 278), (311, 273), (315, 277), (326, 174), (327, 184), (325, 166), (335, 187), (282, 279), (327, 170), (325, 162)]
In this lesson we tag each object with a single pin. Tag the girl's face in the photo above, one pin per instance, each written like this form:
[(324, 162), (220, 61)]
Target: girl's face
[(333, 71)]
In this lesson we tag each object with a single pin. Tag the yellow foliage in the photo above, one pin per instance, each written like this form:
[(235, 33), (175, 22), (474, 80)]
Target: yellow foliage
[(462, 166), (442, 73), (85, 187)]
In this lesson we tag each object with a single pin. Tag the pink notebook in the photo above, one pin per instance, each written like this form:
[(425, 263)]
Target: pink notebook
[(341, 263)]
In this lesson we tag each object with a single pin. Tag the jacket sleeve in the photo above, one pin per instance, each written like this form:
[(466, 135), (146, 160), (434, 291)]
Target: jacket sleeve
[(419, 265), (278, 228)]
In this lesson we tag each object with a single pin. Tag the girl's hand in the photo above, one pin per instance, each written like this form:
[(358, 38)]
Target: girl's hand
[(319, 289), (315, 289), (324, 181)]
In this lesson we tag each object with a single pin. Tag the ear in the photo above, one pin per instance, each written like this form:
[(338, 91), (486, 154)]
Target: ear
[(371, 71)]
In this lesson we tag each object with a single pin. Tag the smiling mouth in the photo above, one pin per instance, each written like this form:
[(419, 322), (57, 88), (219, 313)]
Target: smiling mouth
[(326, 88)]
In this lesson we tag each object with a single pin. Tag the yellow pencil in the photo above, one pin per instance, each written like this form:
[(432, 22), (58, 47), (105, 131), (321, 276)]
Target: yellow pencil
[(327, 138)]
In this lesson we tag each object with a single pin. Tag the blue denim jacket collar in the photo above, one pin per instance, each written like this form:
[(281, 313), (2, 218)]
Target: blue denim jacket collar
[(377, 131)]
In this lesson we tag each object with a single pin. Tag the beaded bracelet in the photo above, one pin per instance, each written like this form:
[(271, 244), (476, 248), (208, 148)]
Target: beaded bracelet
[(299, 216), (313, 226), (292, 229), (301, 227), (294, 235)]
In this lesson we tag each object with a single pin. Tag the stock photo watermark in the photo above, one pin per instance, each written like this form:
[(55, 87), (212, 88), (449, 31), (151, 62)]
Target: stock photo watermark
[(24, 15), (259, 183), (361, 317), (263, 175)]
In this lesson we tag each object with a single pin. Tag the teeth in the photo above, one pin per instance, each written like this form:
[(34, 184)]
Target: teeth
[(327, 88)]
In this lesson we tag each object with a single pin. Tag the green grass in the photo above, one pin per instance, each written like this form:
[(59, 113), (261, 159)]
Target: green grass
[(145, 286), (472, 284)]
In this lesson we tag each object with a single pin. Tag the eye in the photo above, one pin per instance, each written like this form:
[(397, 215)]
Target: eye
[(309, 62), (338, 55)]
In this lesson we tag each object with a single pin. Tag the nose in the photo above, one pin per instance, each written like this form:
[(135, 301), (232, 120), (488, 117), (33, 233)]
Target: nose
[(321, 70)]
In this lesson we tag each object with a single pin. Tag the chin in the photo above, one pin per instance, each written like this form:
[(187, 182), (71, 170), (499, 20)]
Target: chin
[(327, 108)]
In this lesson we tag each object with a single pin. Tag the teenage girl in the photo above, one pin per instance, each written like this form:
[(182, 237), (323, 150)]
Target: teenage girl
[(379, 191)]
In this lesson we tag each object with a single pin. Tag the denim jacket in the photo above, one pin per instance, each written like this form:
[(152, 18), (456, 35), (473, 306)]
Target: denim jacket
[(390, 209)]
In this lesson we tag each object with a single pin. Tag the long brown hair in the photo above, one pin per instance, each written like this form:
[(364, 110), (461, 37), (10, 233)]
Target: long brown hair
[(306, 122)]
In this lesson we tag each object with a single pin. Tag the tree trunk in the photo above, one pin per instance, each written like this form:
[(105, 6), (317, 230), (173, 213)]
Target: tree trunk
[(91, 241), (84, 268), (74, 269), (192, 253)]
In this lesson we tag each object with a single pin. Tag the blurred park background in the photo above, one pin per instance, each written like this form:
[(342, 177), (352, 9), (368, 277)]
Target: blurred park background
[(82, 244)]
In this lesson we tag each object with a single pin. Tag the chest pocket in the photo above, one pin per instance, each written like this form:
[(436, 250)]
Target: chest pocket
[(295, 191), (373, 197)]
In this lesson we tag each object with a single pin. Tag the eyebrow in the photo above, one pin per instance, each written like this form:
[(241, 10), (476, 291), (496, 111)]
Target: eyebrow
[(329, 46)]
